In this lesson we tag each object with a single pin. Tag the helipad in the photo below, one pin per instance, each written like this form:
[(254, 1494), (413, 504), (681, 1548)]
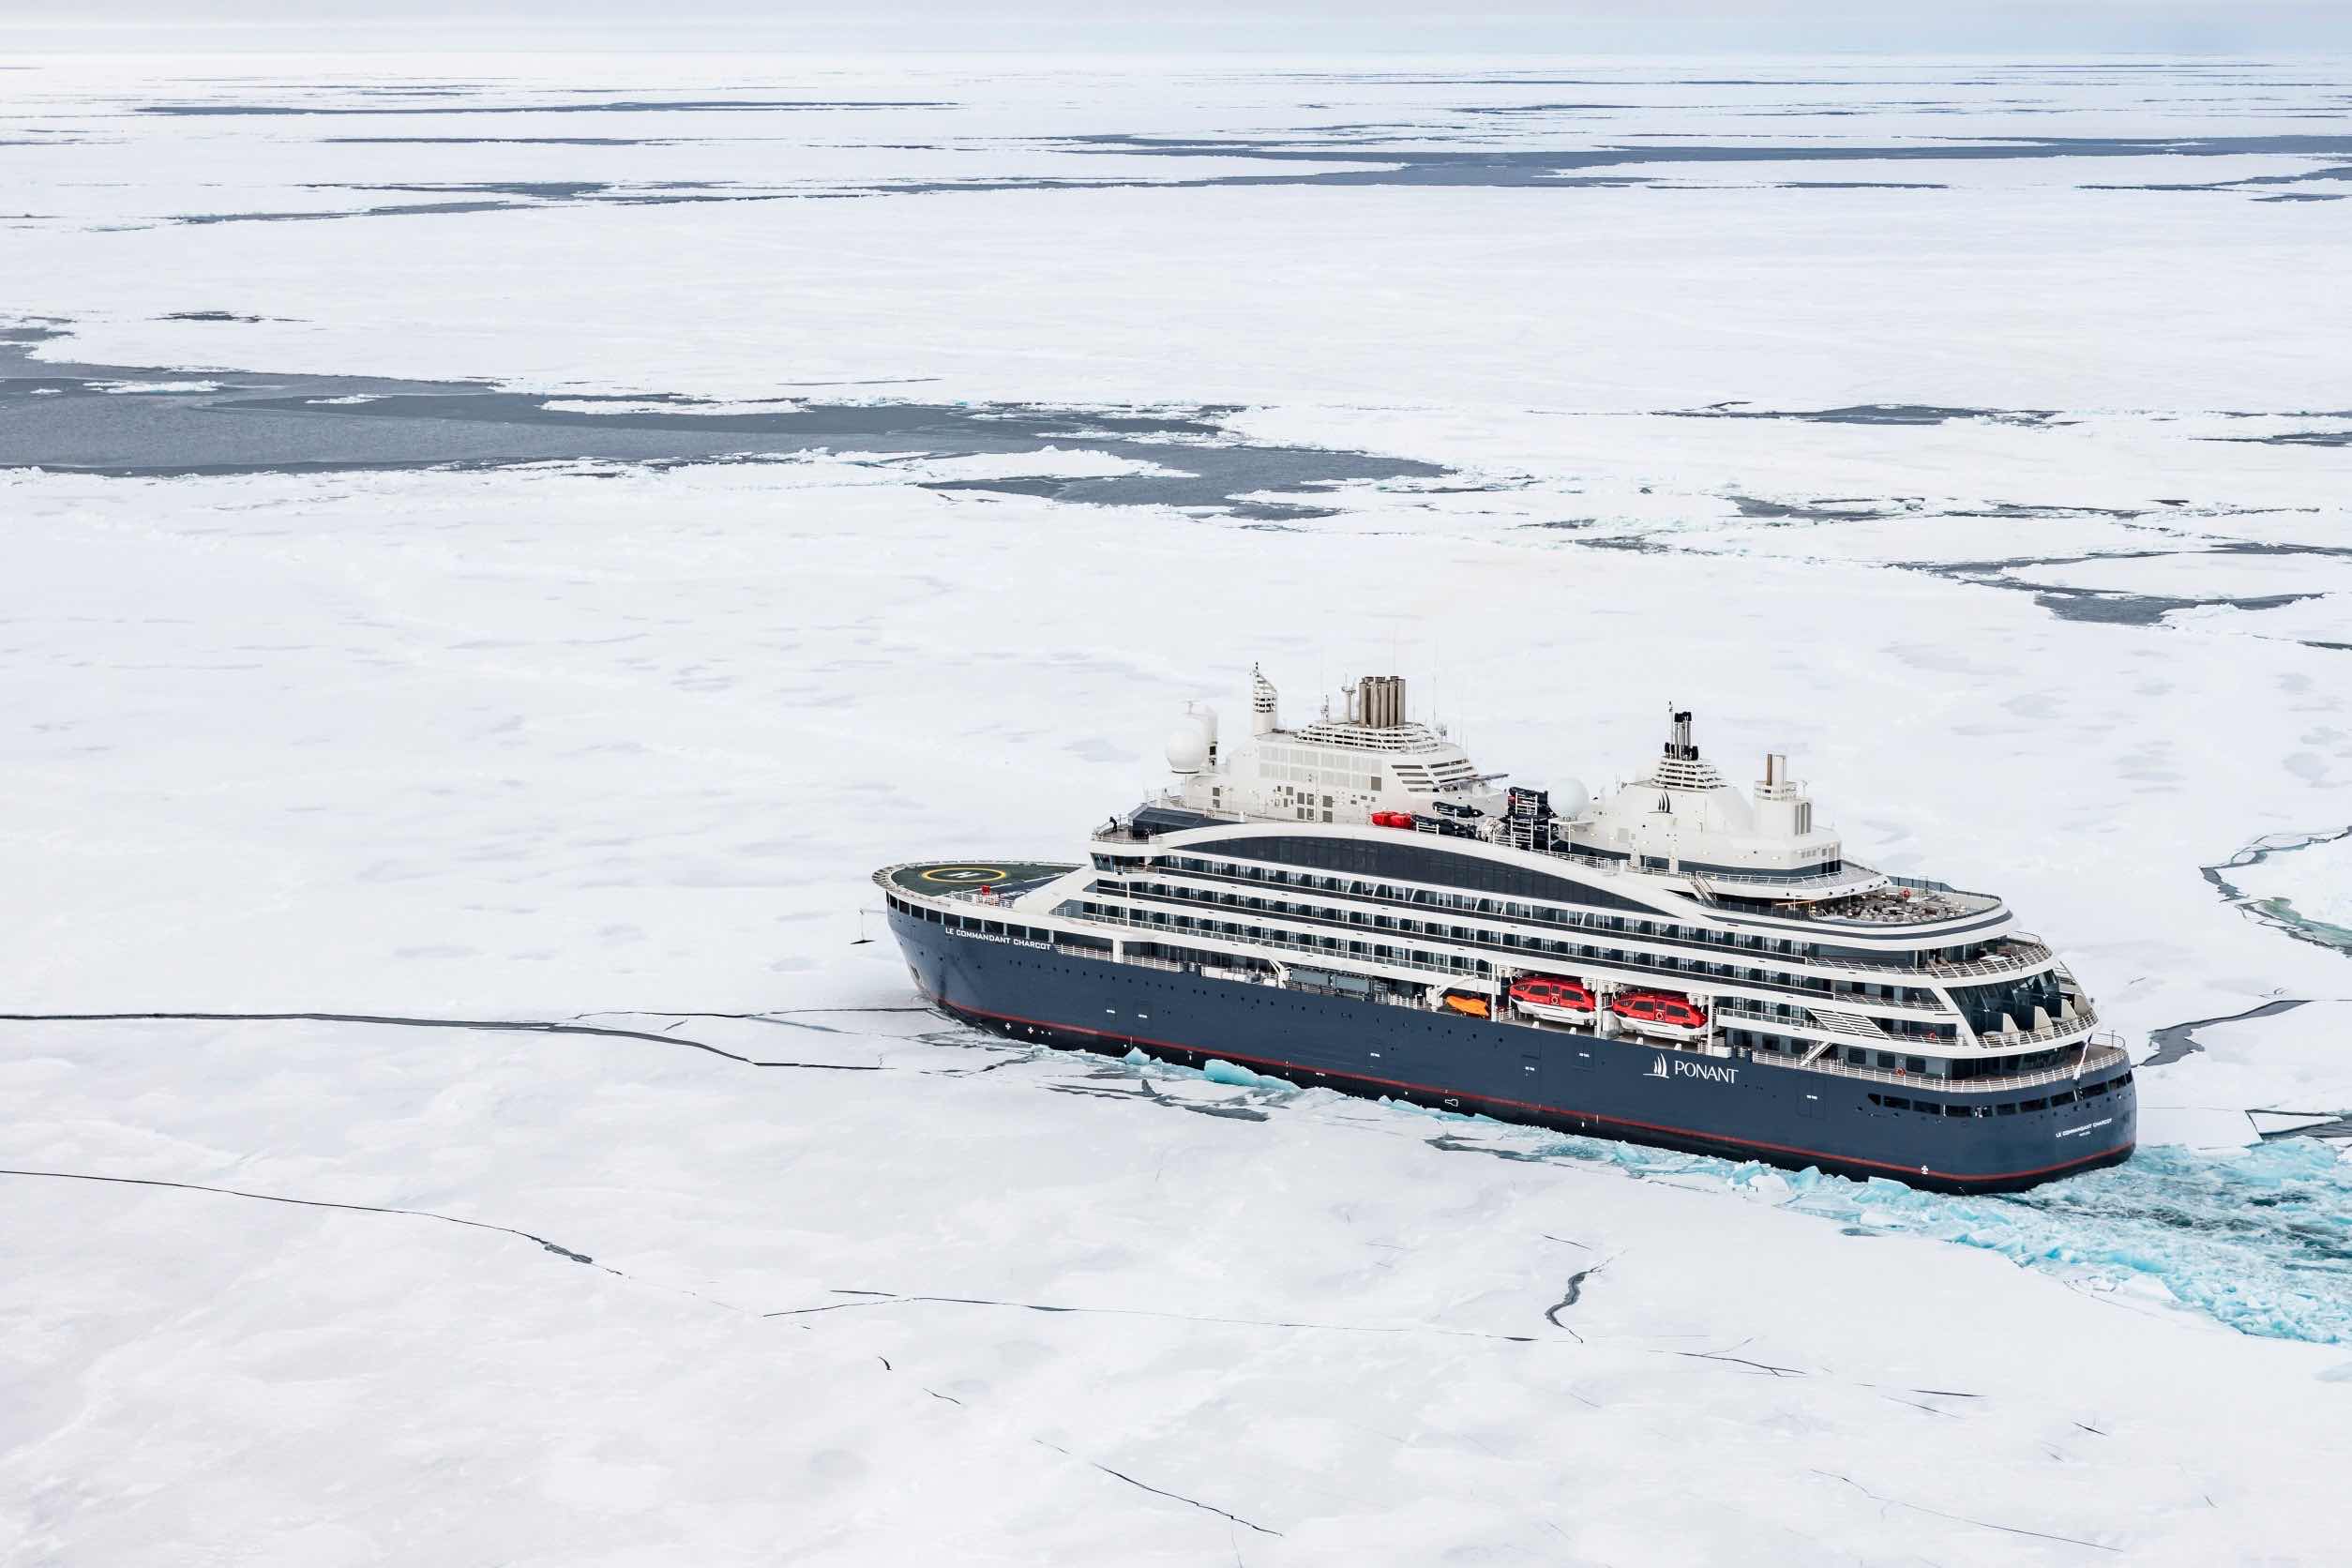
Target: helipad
[(1006, 876)]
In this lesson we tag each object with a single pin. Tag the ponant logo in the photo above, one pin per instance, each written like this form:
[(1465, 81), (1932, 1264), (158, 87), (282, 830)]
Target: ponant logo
[(1683, 1068)]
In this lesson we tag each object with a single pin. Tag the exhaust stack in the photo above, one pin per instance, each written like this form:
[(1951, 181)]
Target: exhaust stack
[(1383, 698)]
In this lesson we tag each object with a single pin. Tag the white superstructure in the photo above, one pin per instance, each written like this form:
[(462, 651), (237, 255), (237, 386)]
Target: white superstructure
[(1297, 845), (1338, 769), (1680, 817)]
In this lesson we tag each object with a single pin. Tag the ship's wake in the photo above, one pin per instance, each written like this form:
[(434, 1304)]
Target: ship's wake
[(2258, 1240)]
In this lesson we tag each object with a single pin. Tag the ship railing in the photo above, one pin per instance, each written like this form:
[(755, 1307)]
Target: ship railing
[(959, 896), (1830, 1020), (2099, 1054), (1811, 881), (1597, 862), (1743, 953), (1256, 978), (1689, 980), (2097, 1057), (2081, 1021), (1723, 956), (1143, 930), (2083, 1018), (1928, 884), (1880, 910), (2021, 952), (2026, 953)]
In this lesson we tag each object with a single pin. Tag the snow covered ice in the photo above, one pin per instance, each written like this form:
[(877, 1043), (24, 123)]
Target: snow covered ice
[(1973, 433)]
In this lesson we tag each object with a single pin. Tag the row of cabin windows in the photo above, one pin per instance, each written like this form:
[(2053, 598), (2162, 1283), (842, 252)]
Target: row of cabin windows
[(1855, 1056), (1514, 942), (2007, 1108), (1507, 909), (981, 926), (1570, 892), (1961, 1067), (1454, 963)]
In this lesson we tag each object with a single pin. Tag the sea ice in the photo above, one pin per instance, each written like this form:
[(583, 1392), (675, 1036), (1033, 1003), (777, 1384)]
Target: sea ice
[(776, 1262)]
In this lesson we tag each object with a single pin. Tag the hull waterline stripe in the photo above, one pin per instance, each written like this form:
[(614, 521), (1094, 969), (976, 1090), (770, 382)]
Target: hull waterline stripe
[(1549, 1110)]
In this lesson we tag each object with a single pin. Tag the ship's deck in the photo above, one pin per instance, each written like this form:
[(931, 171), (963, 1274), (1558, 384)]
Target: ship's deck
[(1007, 879)]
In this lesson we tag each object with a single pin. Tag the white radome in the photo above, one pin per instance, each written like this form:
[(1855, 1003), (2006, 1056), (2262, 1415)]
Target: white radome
[(1188, 744)]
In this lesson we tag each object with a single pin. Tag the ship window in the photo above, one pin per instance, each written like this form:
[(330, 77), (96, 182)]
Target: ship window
[(2005, 1110), (2064, 1097), (1963, 1111), (1915, 1063), (2033, 1105), (1896, 1102)]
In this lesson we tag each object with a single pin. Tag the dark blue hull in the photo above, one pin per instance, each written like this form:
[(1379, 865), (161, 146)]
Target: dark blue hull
[(1737, 1107)]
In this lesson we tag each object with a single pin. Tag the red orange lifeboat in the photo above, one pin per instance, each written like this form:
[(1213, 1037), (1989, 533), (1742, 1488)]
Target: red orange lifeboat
[(1546, 997), (1660, 1013), (1392, 819)]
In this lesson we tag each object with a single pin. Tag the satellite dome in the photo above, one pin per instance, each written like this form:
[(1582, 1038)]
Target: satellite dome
[(1571, 800), (1188, 744)]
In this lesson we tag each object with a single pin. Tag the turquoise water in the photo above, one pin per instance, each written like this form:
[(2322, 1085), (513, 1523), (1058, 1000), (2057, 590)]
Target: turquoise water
[(2259, 1240)]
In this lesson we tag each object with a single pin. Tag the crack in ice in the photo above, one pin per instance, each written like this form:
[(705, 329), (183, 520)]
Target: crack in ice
[(555, 1248), (520, 1026), (879, 1298), (1962, 1519), (1156, 1491)]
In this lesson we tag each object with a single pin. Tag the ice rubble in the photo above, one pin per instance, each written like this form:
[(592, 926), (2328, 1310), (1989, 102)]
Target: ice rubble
[(2307, 877), (2258, 1238)]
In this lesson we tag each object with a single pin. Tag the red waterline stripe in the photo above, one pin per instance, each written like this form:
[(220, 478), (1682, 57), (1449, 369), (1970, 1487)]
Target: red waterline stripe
[(1529, 1104)]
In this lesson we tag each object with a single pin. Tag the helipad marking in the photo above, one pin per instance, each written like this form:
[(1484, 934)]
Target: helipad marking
[(966, 874)]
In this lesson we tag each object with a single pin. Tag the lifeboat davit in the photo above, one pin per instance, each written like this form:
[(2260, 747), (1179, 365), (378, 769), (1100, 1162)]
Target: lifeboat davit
[(1661, 1014), (1545, 997)]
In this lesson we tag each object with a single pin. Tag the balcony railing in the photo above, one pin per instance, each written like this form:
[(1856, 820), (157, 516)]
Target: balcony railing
[(2096, 1058), (2085, 1017), (1851, 882), (2019, 952), (1594, 929)]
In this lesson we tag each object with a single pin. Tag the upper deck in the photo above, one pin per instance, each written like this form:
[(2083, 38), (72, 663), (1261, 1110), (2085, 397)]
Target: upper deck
[(1003, 879), (1868, 907)]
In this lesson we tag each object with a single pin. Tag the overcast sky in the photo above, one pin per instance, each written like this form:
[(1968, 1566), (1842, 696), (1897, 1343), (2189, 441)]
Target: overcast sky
[(1305, 26)]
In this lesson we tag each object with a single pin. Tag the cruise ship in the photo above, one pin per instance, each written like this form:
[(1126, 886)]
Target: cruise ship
[(1353, 904)]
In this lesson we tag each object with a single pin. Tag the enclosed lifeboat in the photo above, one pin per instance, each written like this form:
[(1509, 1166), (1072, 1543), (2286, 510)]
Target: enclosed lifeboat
[(1561, 1001), (1661, 1014)]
